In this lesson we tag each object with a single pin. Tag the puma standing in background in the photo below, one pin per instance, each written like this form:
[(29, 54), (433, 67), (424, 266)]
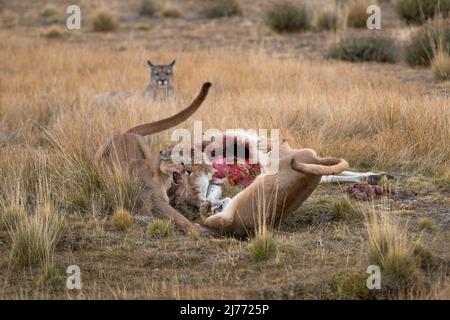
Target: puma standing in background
[(161, 81)]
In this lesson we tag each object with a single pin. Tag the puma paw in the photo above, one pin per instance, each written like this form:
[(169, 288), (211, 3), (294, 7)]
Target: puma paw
[(205, 208)]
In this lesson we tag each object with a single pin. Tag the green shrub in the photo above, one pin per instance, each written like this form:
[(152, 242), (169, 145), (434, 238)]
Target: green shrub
[(327, 20), (160, 228), (54, 33), (148, 8), (288, 18), (418, 11), (49, 11), (365, 48), (262, 247), (52, 15), (223, 8), (104, 21), (424, 44)]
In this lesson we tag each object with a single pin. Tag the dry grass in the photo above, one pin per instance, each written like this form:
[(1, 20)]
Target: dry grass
[(390, 248), (35, 237), (440, 66), (171, 11), (51, 128), (355, 13), (392, 131), (121, 219)]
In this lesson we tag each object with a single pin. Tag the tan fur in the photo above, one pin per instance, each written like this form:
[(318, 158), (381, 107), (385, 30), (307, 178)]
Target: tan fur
[(189, 191), (130, 152), (272, 196)]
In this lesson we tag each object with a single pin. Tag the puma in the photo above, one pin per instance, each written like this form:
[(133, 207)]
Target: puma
[(130, 152), (272, 195)]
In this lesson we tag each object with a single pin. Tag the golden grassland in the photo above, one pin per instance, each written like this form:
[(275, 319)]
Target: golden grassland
[(50, 128)]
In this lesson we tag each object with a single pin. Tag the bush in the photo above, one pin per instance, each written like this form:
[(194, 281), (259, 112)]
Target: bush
[(122, 220), (160, 228), (170, 11), (54, 33), (418, 11), (104, 22), (288, 18), (49, 11), (223, 8), (52, 15), (262, 247), (424, 44), (356, 13), (148, 8), (365, 48), (327, 20)]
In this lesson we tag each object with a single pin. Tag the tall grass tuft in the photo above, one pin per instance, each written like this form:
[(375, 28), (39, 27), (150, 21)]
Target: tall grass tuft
[(440, 66), (264, 244), (390, 248), (35, 237), (160, 228), (122, 219)]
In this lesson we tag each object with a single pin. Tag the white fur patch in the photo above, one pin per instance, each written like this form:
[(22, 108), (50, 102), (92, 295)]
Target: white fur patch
[(203, 183)]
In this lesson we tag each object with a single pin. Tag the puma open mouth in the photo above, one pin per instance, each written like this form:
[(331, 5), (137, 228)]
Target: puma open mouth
[(176, 177)]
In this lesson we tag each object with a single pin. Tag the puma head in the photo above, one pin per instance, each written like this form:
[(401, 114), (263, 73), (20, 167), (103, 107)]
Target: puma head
[(161, 75), (173, 170)]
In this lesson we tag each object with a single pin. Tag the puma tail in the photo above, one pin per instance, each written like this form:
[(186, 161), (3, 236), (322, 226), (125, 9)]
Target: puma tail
[(164, 124), (322, 167)]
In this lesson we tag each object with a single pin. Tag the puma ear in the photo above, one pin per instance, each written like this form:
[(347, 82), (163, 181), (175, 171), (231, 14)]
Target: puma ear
[(173, 63), (150, 63)]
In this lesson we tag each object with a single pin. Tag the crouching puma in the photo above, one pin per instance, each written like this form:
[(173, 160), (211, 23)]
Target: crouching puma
[(273, 195), (130, 152)]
